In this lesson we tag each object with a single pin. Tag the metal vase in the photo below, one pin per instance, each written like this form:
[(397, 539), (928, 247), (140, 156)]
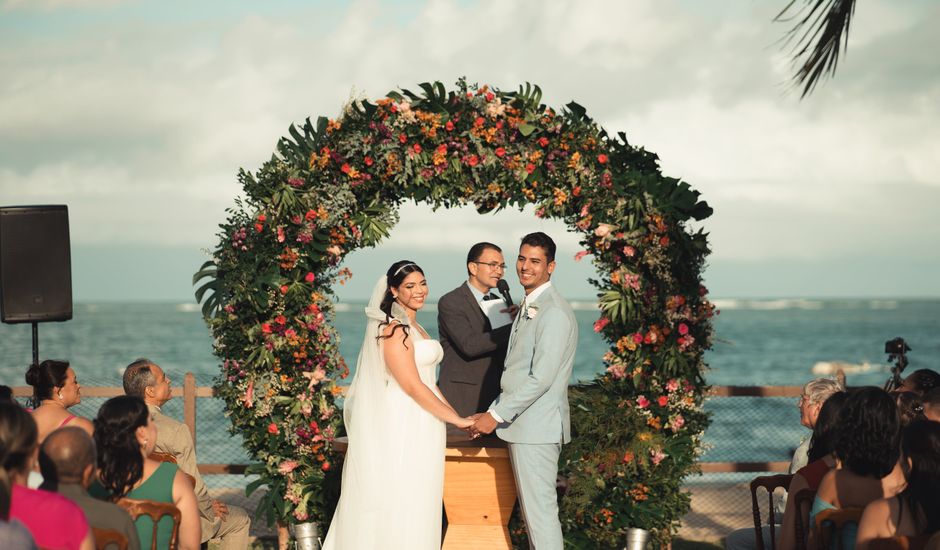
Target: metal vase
[(307, 536), (637, 539)]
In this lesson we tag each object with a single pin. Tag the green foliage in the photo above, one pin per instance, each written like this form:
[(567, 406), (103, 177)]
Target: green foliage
[(335, 186)]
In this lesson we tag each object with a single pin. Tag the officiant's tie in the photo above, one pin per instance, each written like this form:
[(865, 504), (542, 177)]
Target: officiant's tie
[(490, 296)]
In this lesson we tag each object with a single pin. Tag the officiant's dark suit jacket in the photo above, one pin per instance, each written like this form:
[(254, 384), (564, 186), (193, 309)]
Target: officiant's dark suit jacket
[(473, 353)]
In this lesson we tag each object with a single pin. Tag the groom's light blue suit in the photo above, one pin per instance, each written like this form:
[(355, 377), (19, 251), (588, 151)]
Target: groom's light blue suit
[(533, 403)]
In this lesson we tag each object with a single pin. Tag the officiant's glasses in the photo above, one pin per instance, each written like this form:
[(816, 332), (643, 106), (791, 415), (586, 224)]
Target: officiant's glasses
[(492, 265)]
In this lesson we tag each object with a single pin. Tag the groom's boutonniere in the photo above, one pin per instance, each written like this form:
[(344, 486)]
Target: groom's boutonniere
[(531, 311)]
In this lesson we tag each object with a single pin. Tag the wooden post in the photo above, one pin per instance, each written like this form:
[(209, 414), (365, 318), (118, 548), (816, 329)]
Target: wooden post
[(189, 404)]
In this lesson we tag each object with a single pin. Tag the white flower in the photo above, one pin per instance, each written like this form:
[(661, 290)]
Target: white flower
[(531, 311)]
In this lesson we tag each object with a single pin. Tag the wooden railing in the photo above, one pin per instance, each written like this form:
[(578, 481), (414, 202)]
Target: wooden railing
[(189, 392)]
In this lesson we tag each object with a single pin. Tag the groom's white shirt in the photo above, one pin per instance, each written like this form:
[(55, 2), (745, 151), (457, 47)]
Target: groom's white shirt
[(529, 298)]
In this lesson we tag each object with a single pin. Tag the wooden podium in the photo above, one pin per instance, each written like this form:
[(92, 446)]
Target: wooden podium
[(479, 494)]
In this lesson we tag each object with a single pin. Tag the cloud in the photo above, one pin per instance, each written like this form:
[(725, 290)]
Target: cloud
[(141, 119)]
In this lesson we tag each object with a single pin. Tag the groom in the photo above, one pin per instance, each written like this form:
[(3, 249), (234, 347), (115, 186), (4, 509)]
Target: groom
[(531, 412)]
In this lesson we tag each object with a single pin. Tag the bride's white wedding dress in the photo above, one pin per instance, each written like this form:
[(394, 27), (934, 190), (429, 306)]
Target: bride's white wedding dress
[(393, 473)]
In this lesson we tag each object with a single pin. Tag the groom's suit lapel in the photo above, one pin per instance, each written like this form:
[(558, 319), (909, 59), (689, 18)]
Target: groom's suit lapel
[(522, 320)]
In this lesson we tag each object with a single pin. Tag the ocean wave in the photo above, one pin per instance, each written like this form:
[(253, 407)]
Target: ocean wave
[(789, 303), (188, 307)]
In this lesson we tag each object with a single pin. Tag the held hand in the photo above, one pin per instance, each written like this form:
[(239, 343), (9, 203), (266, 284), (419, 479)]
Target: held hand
[(465, 423), (485, 424), (220, 509)]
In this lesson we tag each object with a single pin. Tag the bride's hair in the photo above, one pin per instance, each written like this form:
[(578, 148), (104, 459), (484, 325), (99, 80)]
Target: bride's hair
[(393, 278)]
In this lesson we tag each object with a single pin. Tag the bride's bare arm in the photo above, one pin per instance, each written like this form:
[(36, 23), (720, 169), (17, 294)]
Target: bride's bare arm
[(401, 363)]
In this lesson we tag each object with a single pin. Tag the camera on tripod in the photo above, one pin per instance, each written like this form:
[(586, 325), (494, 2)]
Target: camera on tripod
[(896, 349)]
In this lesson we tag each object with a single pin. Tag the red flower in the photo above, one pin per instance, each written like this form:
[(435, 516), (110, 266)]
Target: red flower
[(662, 400), (637, 338), (310, 215), (416, 147), (310, 277), (489, 96), (601, 323), (442, 148), (478, 122), (500, 152), (449, 126), (266, 328), (368, 161), (402, 138), (530, 168), (642, 402), (284, 289), (473, 160), (325, 466), (664, 241), (543, 141), (683, 329), (261, 217), (345, 168), (281, 320), (602, 158), (259, 228), (272, 428)]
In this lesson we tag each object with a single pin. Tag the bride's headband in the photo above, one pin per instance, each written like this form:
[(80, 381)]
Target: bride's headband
[(397, 271)]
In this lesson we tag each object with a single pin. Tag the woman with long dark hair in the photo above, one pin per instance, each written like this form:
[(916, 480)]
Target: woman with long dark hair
[(55, 389), (125, 435), (916, 510), (867, 446), (821, 460), (393, 474), (53, 520)]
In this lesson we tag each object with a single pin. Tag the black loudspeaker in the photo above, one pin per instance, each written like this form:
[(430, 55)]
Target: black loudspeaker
[(35, 264)]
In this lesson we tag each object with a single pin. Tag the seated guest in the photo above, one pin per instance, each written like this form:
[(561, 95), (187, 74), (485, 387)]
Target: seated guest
[(821, 460), (915, 510), (921, 381), (815, 393), (910, 407), (67, 460), (12, 533), (931, 405), (146, 380), (55, 389), (125, 436), (53, 520), (867, 447)]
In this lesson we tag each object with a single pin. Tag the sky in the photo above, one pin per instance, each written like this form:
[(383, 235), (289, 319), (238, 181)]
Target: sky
[(138, 115)]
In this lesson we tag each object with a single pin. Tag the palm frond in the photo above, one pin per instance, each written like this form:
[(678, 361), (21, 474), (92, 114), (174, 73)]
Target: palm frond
[(820, 34)]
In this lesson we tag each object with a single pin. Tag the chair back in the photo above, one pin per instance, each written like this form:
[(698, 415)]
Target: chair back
[(156, 511), (830, 525), (109, 539), (802, 503), (769, 483), (900, 542)]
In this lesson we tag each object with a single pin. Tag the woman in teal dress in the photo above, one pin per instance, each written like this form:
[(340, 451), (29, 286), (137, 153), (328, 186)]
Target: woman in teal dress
[(125, 435), (867, 447)]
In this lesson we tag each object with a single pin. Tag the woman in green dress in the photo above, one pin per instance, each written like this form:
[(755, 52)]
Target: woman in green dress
[(125, 435)]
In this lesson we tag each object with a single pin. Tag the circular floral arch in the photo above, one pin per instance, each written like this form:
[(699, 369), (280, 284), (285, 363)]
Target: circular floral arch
[(335, 186)]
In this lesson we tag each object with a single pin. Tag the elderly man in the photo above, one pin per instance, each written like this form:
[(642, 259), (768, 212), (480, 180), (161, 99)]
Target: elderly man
[(145, 379), (67, 460)]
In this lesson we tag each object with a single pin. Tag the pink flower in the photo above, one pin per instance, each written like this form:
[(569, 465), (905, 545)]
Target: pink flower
[(642, 402), (672, 385), (287, 467), (678, 422), (601, 323), (290, 333), (310, 277), (300, 515), (683, 329), (617, 371), (249, 393), (657, 456), (629, 251), (580, 255), (637, 338), (602, 230)]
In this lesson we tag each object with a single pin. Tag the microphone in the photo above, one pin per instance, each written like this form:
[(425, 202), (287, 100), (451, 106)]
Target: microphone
[(503, 288)]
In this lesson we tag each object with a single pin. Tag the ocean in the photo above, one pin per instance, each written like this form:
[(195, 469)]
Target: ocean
[(757, 342)]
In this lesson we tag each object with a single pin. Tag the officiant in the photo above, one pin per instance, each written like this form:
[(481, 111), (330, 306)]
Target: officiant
[(474, 325)]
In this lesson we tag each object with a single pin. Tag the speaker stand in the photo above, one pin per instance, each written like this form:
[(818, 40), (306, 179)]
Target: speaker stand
[(35, 343)]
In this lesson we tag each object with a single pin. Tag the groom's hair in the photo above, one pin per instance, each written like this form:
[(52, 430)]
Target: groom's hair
[(542, 241), (477, 250)]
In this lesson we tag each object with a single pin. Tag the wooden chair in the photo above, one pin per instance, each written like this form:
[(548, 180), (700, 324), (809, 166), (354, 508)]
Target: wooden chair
[(831, 523), (900, 543), (156, 511), (803, 502), (108, 539), (769, 483)]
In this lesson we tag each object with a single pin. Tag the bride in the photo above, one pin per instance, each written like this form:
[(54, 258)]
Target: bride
[(393, 475)]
